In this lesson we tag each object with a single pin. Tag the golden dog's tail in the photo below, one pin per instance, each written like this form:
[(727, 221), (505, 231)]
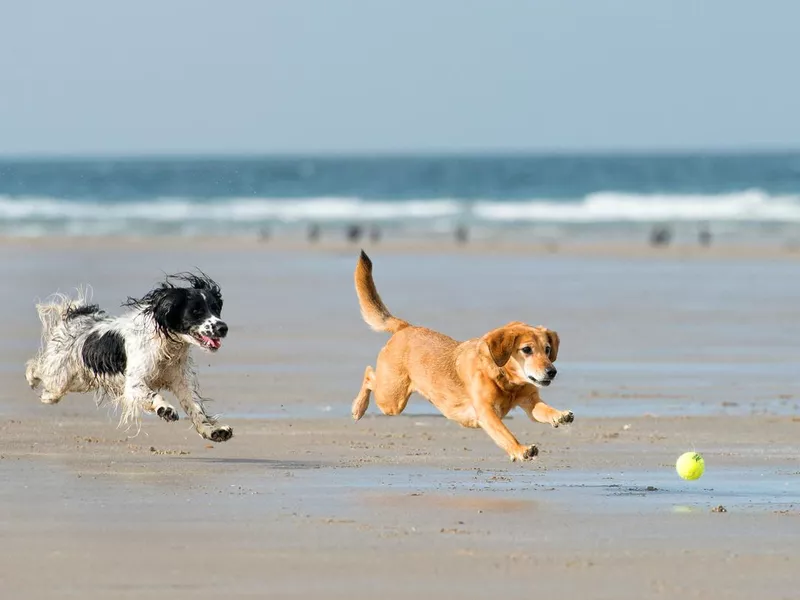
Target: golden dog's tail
[(373, 310)]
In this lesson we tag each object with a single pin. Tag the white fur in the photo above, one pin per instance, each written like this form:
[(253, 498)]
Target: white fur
[(154, 362)]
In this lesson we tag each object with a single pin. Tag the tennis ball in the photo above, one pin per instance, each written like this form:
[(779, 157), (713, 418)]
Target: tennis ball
[(690, 466)]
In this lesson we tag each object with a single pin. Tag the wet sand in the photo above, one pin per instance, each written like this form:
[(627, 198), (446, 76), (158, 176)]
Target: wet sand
[(660, 354)]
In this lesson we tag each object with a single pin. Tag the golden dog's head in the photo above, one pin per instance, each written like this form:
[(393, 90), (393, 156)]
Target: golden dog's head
[(526, 352)]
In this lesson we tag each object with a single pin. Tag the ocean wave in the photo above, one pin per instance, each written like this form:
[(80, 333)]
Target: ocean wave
[(37, 215), (224, 209), (609, 207)]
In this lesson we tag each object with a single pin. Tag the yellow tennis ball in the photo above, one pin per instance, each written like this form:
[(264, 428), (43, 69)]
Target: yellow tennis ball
[(690, 466)]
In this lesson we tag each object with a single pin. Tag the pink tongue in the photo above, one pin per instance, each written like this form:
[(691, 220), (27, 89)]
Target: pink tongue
[(212, 342)]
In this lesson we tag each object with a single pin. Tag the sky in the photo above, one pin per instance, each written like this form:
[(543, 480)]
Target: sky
[(99, 77)]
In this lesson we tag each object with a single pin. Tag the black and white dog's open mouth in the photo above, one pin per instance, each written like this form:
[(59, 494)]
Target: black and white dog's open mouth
[(210, 343)]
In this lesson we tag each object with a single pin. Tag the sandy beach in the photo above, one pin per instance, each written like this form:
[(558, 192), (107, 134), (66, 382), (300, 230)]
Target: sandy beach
[(663, 351)]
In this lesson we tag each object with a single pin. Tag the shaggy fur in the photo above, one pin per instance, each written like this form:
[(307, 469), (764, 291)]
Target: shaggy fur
[(129, 359)]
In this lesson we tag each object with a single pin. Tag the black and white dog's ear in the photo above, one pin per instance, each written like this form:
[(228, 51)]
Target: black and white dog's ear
[(166, 305)]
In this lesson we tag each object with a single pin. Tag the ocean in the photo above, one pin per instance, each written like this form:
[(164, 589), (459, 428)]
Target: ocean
[(737, 194)]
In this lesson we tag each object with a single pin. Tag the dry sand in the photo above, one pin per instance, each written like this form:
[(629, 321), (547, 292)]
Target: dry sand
[(660, 355)]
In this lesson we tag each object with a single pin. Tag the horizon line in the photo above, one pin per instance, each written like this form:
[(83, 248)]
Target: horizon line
[(405, 153)]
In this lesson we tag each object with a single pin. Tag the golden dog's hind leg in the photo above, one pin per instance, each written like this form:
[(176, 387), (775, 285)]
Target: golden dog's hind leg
[(392, 386), (361, 402)]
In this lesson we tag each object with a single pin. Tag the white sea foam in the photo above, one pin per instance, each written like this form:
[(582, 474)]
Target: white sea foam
[(608, 207), (37, 215), (224, 209)]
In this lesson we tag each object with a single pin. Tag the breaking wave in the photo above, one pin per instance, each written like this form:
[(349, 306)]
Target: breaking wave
[(42, 215), (608, 207)]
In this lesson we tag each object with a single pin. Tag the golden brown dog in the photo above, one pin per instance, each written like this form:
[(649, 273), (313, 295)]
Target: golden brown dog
[(475, 383)]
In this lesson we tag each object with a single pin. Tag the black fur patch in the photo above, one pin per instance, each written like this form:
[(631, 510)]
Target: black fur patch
[(83, 311), (178, 309), (105, 354)]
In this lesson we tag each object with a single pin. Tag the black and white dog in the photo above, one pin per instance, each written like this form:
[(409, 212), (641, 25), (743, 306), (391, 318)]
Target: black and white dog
[(129, 359)]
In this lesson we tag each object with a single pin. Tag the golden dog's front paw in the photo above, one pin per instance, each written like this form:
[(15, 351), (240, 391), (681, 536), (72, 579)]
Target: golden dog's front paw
[(525, 453), (565, 416)]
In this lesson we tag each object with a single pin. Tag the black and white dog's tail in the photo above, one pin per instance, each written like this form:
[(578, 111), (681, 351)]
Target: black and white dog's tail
[(60, 308), (57, 313)]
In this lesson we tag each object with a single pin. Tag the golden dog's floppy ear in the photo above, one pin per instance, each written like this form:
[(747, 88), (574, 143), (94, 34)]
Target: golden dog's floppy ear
[(554, 340), (500, 344)]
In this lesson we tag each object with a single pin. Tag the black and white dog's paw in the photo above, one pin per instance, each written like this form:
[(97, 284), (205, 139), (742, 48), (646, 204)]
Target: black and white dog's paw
[(163, 408), (218, 433), (167, 413)]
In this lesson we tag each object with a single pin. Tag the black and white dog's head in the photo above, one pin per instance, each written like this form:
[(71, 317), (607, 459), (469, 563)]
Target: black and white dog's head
[(188, 313)]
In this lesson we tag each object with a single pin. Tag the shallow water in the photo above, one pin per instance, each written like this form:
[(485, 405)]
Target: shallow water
[(661, 336), (574, 491)]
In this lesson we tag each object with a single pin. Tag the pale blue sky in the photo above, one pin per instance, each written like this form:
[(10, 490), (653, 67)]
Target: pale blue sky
[(200, 76)]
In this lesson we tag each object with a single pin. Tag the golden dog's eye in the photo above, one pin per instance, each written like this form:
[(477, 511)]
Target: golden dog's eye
[(547, 350), (527, 350)]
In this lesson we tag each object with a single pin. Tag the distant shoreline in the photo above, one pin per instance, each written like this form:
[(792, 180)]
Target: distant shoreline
[(626, 249)]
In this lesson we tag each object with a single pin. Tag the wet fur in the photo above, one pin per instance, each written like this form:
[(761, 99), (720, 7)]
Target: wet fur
[(129, 359)]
